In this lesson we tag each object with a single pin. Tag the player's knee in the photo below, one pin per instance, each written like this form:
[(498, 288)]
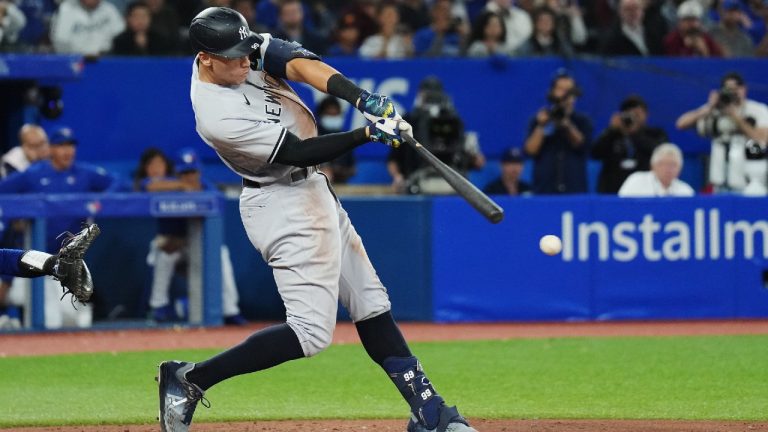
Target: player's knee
[(313, 336)]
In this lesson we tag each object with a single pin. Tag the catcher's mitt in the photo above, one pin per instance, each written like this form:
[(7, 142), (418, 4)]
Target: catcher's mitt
[(70, 268)]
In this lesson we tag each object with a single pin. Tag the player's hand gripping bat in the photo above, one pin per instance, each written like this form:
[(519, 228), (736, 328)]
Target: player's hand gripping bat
[(461, 185)]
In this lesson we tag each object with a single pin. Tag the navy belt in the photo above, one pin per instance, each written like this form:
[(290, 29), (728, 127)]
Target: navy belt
[(295, 176)]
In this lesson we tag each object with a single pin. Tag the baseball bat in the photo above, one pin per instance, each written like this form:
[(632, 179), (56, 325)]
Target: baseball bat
[(461, 185)]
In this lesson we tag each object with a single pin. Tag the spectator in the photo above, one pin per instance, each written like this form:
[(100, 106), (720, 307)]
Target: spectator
[(509, 183), (438, 127), (558, 140), (728, 33), (86, 27), (689, 38), (33, 146), (569, 21), (362, 15), (517, 22), (291, 27), (247, 10), (626, 145), (139, 39), (330, 119), (187, 9), (630, 36), (731, 121), (12, 22), (165, 22), (347, 38), (392, 41), (756, 17), (169, 248), (61, 174), (662, 180), (34, 35), (414, 14), (445, 36), (489, 36), (545, 40)]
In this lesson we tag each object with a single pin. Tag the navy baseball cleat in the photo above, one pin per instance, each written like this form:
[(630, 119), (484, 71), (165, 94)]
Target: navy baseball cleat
[(178, 397), (450, 421)]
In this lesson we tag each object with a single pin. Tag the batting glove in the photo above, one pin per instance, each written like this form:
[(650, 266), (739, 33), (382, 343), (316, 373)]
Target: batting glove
[(388, 131), (377, 105)]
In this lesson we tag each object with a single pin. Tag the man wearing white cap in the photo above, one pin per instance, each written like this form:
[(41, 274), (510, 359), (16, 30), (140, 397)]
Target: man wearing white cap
[(690, 39)]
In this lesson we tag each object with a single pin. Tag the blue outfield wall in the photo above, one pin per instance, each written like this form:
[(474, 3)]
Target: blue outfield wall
[(702, 257), (671, 258), (121, 105)]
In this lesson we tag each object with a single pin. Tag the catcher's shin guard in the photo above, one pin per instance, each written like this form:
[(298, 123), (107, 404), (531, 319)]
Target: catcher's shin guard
[(409, 378)]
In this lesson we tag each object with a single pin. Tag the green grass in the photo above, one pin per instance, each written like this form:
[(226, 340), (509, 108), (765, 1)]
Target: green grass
[(721, 377)]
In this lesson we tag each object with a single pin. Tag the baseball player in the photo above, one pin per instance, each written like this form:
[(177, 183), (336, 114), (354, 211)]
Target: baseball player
[(262, 130)]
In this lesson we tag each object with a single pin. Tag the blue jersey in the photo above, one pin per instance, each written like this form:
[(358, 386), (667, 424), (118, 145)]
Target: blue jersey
[(41, 177)]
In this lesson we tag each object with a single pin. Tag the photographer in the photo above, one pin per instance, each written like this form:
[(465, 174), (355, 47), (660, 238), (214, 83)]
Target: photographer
[(731, 121), (626, 145), (438, 127), (558, 140)]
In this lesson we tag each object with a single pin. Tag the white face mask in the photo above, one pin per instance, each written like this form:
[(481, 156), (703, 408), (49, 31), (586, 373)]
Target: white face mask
[(332, 122)]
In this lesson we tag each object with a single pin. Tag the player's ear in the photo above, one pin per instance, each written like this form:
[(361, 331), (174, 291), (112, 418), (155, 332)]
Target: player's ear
[(204, 58)]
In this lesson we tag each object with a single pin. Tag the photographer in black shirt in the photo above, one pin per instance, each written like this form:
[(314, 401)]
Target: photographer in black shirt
[(626, 145)]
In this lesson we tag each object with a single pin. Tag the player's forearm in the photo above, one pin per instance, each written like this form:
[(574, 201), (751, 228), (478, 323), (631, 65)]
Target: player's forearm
[(317, 150), (312, 72)]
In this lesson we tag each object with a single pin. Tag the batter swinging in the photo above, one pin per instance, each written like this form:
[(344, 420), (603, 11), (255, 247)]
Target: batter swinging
[(263, 131)]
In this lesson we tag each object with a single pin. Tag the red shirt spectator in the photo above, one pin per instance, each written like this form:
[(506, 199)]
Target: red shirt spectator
[(690, 39)]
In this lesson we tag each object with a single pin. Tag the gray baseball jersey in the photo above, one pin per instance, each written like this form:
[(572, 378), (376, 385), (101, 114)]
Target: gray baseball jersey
[(297, 224), (246, 124)]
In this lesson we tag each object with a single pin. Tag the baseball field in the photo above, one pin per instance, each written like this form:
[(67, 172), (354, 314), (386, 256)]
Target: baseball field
[(682, 376)]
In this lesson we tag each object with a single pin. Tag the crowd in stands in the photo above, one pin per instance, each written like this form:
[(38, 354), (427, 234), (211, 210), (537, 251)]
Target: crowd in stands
[(395, 29)]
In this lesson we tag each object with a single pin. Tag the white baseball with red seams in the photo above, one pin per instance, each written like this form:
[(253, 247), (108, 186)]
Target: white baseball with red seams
[(550, 244)]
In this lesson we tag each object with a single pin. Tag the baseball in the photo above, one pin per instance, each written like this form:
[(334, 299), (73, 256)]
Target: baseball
[(550, 244)]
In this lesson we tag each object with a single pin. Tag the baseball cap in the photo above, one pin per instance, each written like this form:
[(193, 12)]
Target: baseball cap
[(690, 9), (513, 154), (187, 160), (63, 135)]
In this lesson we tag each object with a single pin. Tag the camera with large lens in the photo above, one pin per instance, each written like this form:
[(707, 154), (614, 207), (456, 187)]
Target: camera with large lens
[(627, 119), (556, 112), (755, 151), (726, 96), (439, 128), (444, 132)]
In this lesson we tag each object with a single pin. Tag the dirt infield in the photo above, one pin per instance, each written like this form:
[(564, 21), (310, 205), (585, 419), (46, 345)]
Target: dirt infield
[(51, 343), (399, 426)]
